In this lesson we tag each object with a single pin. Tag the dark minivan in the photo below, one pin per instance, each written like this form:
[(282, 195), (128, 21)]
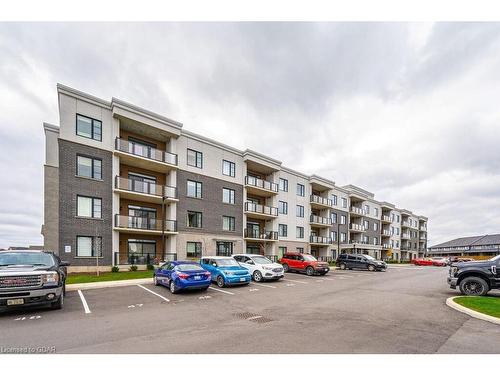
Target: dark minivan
[(361, 261)]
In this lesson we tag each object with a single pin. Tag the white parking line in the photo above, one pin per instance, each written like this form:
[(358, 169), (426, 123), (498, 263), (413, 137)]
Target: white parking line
[(255, 317), (156, 294), (220, 290), (84, 302), (264, 285)]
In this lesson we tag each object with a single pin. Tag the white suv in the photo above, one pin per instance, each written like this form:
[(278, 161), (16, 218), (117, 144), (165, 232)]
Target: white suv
[(260, 267)]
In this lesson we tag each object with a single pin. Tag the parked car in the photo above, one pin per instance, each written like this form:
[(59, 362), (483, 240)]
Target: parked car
[(31, 277), (303, 263), (225, 270), (260, 267), (422, 261), (180, 275), (439, 261), (475, 278), (361, 261)]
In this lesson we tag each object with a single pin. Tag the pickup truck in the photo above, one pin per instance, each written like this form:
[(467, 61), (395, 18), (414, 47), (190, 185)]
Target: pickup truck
[(475, 278), (31, 277)]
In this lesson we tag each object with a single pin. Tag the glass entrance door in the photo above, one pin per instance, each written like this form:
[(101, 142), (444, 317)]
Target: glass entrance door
[(142, 217), (142, 183)]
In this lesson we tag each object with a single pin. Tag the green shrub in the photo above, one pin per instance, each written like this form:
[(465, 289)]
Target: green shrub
[(133, 267), (150, 267), (115, 269)]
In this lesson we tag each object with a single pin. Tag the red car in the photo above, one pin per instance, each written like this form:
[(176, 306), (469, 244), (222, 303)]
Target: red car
[(440, 262), (303, 263), (422, 262)]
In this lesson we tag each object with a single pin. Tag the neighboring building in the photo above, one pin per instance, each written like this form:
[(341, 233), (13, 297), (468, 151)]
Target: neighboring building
[(124, 185), (30, 247), (479, 247)]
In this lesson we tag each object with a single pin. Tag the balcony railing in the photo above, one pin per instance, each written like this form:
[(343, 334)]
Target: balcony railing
[(405, 223), (320, 200), (357, 210), (386, 232), (386, 246), (358, 242), (423, 237), (423, 228), (386, 218), (357, 227), (261, 235), (406, 248), (260, 209), (142, 187), (320, 240), (145, 223), (406, 236), (262, 184), (144, 151), (314, 219)]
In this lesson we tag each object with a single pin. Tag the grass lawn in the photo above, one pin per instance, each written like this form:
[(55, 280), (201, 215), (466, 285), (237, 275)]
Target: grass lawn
[(486, 305), (107, 276)]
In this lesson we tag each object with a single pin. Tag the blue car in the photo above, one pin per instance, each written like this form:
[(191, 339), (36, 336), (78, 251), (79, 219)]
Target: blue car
[(179, 275), (225, 271)]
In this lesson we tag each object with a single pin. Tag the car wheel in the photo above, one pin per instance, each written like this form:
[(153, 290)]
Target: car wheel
[(371, 268), (257, 276), (309, 271), (155, 280), (286, 268), (172, 287), (342, 266), (220, 281), (58, 305), (474, 286)]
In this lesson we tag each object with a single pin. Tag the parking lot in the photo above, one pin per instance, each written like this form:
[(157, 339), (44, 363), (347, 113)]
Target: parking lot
[(399, 311)]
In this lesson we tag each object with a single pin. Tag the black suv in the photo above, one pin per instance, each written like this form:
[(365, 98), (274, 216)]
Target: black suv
[(29, 277), (475, 278), (362, 261)]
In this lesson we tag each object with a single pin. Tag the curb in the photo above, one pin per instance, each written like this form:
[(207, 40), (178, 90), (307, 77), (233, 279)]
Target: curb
[(107, 284), (470, 312)]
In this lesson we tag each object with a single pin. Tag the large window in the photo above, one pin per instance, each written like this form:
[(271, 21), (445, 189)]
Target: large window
[(228, 223), (334, 199), (194, 189), (366, 224), (88, 207), (334, 236), (300, 211), (194, 219), (333, 216), (282, 230), (141, 251), (300, 232), (228, 195), (343, 237), (344, 202), (228, 168), (88, 167), (283, 186), (87, 246), (193, 249), (283, 207), (224, 249), (343, 219), (194, 158), (301, 190), (88, 127)]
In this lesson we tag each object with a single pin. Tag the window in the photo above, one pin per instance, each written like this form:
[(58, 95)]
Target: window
[(392, 218), (366, 239), (343, 237), (88, 246), (397, 244), (142, 252), (397, 218), (282, 230), (228, 195), (88, 207), (334, 199), (375, 211), (224, 249), (301, 190), (375, 226), (88, 127), (194, 189), (375, 240), (300, 250), (282, 251), (343, 219), (283, 207), (228, 168), (334, 236), (193, 249), (283, 184), (392, 230), (366, 224), (300, 211), (194, 219), (397, 231), (300, 232), (88, 167), (194, 158), (333, 216), (367, 209), (228, 223), (344, 202)]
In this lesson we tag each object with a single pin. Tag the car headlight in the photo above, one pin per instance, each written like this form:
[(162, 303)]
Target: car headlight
[(453, 270), (267, 268), (50, 278)]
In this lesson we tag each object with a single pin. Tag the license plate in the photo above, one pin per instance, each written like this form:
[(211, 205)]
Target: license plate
[(242, 279), (197, 277), (12, 302)]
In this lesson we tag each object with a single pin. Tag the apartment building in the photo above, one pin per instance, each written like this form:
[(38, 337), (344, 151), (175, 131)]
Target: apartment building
[(127, 186)]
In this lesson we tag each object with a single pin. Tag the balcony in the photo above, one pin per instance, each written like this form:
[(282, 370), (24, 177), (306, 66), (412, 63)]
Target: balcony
[(358, 242), (258, 235), (319, 221), (386, 246), (386, 233), (406, 248), (423, 237), (405, 224), (356, 228), (405, 236), (319, 240), (260, 187), (423, 228), (386, 219), (144, 225), (144, 157), (144, 191), (320, 202), (260, 211), (356, 211)]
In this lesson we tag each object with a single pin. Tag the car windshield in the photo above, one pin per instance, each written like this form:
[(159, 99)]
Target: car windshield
[(188, 267), (226, 262), (261, 260), (369, 257), (25, 259), (309, 258)]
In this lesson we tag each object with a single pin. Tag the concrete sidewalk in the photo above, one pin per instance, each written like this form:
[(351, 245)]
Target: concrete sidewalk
[(108, 284)]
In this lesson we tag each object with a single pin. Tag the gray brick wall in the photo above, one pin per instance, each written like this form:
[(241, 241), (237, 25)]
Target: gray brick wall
[(343, 228), (210, 205), (69, 187), (370, 232)]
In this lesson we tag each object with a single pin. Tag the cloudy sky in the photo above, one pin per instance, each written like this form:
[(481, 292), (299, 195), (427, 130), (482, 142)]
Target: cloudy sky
[(408, 111)]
